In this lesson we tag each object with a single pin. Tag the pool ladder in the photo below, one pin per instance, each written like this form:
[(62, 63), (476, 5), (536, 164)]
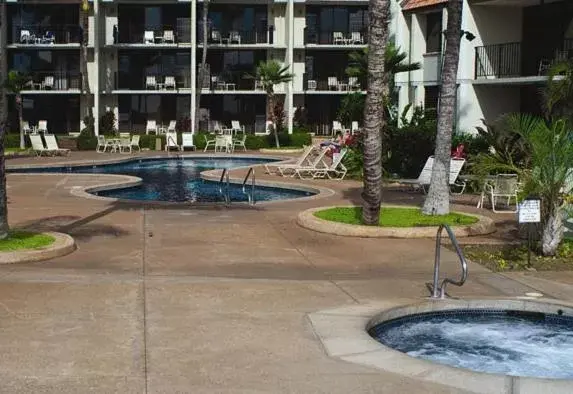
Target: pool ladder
[(225, 186), (439, 290)]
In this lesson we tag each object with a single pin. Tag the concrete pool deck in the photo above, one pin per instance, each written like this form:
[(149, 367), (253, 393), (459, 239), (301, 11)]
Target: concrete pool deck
[(206, 300)]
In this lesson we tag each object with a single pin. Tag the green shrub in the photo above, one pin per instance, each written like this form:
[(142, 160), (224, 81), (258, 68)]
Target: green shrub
[(107, 123), (255, 142), (13, 141), (300, 139), (473, 144), (147, 141), (86, 140)]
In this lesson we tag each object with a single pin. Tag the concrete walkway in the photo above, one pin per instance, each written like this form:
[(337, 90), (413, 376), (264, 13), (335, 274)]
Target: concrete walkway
[(211, 300)]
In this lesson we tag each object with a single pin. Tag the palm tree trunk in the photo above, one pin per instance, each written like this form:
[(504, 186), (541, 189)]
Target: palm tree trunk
[(86, 92), (203, 63), (3, 121), (20, 120), (374, 117), (271, 109), (438, 198), (552, 233)]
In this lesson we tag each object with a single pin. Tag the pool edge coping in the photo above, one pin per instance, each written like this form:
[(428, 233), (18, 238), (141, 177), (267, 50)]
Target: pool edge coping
[(343, 334)]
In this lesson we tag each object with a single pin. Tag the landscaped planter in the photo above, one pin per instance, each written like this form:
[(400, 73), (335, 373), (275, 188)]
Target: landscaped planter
[(62, 245)]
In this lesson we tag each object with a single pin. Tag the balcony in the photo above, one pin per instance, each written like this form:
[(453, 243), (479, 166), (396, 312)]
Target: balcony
[(332, 85), (516, 60), (44, 35), (165, 35), (53, 82), (432, 68), (155, 83), (336, 39), (238, 37)]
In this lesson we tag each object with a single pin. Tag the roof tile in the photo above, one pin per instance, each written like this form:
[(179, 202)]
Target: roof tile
[(413, 4)]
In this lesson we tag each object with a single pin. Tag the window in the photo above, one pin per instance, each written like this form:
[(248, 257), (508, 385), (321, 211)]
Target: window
[(431, 98), (434, 32)]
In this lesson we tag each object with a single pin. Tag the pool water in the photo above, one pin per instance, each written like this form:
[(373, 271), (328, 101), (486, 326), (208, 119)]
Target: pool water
[(178, 180), (503, 342)]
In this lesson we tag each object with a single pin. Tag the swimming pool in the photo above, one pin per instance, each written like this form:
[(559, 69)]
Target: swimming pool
[(177, 180), (509, 342)]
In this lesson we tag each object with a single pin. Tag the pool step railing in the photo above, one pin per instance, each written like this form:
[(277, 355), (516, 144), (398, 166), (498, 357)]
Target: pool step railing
[(251, 195), (439, 290), (225, 187)]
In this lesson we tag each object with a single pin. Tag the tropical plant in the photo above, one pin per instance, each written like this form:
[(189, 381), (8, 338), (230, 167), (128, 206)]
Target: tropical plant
[(374, 115), (4, 228), (269, 74), (84, 25), (558, 93), (203, 66), (107, 123), (438, 199), (351, 108), (15, 83)]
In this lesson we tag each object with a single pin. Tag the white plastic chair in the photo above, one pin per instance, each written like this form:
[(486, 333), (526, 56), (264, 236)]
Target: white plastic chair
[(423, 180), (216, 36), (317, 164), (171, 140), (356, 38), (171, 128), (42, 126), (150, 82), (506, 186), (26, 37), (125, 145), (338, 38), (135, 142), (353, 83), (168, 37), (209, 143), (52, 145), (103, 144), (170, 82), (26, 129), (332, 83), (234, 36), (187, 141), (48, 38), (148, 37), (240, 142), (151, 127), (236, 127), (48, 82)]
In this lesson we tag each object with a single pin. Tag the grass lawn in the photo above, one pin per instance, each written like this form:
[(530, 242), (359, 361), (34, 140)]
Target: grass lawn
[(395, 217), (19, 240), (15, 150)]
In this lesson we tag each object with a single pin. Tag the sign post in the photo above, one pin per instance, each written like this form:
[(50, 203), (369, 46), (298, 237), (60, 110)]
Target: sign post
[(529, 212)]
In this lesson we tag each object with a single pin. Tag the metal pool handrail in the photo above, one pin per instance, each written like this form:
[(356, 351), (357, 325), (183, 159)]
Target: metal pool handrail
[(440, 292), (226, 195), (251, 196)]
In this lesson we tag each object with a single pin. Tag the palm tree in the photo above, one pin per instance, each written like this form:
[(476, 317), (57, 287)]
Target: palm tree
[(203, 61), (438, 199), (393, 61), (374, 116), (15, 83), (84, 25), (558, 94), (4, 229), (269, 74)]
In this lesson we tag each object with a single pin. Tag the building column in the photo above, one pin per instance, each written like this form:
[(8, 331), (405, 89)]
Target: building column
[(96, 32), (290, 61), (193, 63)]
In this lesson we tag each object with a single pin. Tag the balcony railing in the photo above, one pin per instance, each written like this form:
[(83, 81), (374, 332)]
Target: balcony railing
[(154, 81), (329, 37), (333, 83), (165, 34), (50, 80), (499, 60), (237, 37), (43, 34)]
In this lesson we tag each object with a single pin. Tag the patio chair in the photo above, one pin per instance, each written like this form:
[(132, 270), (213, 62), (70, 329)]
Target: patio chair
[(171, 140), (42, 126), (171, 128), (170, 83), (336, 170), (223, 142), (52, 145), (187, 141), (26, 129), (236, 127), (505, 186), (148, 37), (355, 38), (332, 83), (423, 180), (48, 38), (234, 36), (38, 146), (311, 84), (135, 142), (305, 159), (209, 142), (125, 145), (26, 37), (150, 82), (151, 127), (338, 38), (337, 127), (240, 142), (47, 83), (168, 37), (354, 127), (103, 144), (353, 83), (316, 165), (216, 36)]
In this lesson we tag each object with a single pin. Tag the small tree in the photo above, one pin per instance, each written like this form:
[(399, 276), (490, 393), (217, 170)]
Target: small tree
[(15, 83), (271, 73), (84, 58), (4, 228)]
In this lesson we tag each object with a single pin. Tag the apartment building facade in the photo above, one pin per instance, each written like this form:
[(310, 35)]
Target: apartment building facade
[(502, 68), (145, 55)]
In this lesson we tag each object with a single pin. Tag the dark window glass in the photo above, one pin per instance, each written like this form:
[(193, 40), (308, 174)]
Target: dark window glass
[(434, 32)]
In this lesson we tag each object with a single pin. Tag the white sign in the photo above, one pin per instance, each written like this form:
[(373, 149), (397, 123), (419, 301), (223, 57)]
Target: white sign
[(530, 211)]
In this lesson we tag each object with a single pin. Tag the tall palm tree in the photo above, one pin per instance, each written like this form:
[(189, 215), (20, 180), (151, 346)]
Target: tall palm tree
[(86, 92), (438, 199), (374, 116), (394, 60), (4, 229), (15, 83), (203, 61), (269, 74)]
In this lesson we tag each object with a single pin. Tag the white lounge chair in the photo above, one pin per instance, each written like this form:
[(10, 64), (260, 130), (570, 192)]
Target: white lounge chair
[(305, 159), (209, 142), (171, 140), (505, 186), (187, 141), (151, 127), (135, 142), (148, 37), (336, 170), (38, 146), (42, 126), (52, 145), (171, 128), (240, 142), (26, 129), (317, 164), (423, 180)]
